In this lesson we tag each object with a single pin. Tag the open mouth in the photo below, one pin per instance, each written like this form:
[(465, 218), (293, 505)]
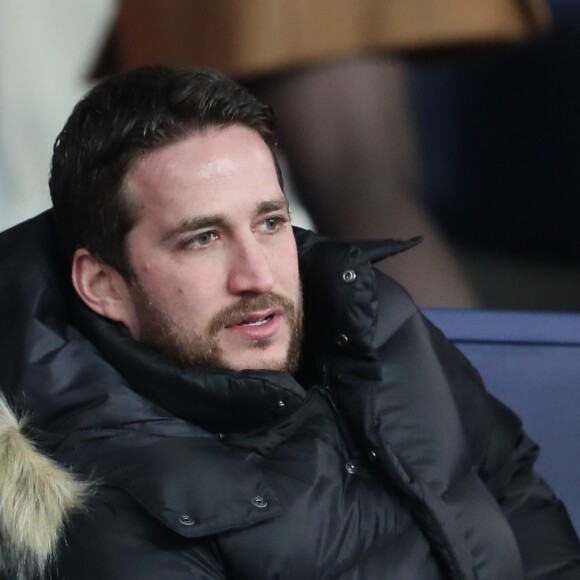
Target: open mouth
[(257, 322), (254, 319), (257, 325)]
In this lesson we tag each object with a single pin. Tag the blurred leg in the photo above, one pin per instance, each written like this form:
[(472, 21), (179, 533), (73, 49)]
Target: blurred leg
[(347, 134)]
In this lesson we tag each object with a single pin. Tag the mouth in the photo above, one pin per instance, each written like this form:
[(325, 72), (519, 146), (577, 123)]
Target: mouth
[(257, 325), (254, 319), (257, 322)]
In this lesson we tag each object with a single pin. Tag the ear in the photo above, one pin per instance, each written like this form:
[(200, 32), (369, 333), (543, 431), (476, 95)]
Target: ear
[(102, 288)]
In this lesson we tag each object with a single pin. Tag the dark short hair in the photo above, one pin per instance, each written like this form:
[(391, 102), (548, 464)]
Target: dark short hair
[(116, 122)]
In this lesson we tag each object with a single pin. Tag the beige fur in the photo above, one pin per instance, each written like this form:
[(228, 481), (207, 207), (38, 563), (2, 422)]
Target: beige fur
[(36, 496)]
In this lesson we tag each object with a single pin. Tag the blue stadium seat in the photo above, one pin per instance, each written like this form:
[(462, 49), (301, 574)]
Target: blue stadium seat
[(531, 362)]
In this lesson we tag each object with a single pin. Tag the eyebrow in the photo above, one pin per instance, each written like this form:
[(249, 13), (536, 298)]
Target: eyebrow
[(213, 220), (271, 205), (195, 223)]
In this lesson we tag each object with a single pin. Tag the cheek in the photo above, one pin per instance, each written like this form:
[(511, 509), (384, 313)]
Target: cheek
[(185, 295), (190, 301), (179, 284), (169, 292), (183, 291)]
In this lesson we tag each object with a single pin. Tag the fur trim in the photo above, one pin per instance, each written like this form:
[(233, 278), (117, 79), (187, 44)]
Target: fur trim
[(36, 497)]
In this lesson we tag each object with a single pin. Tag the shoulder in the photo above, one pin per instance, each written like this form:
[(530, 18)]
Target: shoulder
[(406, 340)]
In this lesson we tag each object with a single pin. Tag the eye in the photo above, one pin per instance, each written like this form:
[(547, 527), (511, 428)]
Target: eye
[(272, 224), (199, 241)]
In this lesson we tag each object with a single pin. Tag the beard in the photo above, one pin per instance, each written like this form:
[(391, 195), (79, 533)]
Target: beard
[(181, 344)]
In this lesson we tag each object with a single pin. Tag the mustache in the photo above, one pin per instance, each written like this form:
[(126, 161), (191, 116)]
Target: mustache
[(248, 304)]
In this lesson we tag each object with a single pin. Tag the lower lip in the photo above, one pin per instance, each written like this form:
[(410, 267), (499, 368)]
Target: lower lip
[(259, 332)]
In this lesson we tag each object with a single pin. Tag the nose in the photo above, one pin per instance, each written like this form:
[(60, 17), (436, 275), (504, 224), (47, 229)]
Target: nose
[(250, 269)]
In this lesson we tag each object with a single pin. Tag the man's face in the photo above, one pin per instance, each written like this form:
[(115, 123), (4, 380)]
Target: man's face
[(215, 260)]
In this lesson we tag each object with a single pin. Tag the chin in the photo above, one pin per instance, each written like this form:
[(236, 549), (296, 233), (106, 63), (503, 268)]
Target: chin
[(255, 365), (269, 363)]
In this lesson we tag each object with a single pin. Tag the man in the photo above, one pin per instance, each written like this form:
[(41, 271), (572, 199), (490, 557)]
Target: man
[(202, 425)]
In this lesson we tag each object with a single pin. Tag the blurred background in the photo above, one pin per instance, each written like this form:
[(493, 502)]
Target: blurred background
[(450, 120)]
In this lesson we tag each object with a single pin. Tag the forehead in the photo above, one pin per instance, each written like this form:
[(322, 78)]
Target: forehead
[(208, 168)]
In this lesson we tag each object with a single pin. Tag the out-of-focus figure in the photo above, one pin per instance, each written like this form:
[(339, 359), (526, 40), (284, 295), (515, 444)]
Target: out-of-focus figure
[(341, 103)]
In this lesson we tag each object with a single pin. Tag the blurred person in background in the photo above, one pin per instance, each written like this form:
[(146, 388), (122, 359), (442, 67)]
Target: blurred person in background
[(341, 102), (343, 107)]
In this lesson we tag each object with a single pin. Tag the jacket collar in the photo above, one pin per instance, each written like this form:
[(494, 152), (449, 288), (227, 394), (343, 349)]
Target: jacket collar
[(236, 401)]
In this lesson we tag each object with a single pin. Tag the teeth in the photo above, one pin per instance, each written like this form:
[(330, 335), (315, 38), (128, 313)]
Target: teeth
[(256, 322)]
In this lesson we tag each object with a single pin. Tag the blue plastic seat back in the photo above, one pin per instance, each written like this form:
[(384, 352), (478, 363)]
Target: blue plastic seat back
[(531, 362)]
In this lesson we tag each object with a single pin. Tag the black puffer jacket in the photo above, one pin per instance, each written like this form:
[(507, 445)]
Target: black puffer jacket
[(386, 459)]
